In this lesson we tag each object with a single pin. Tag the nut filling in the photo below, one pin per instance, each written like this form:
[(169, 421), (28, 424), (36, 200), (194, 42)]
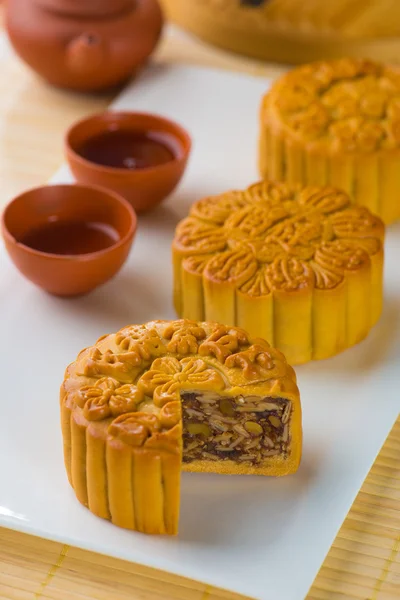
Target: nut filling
[(243, 429)]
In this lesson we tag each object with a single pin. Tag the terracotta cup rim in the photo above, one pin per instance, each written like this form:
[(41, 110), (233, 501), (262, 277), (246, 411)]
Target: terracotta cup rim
[(178, 131), (71, 257)]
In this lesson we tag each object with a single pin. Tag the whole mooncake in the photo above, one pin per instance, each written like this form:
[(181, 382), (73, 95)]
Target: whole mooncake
[(336, 123), (297, 266), (143, 403)]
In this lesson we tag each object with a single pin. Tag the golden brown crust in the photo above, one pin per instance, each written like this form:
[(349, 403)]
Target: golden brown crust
[(336, 123), (122, 415), (346, 105), (135, 390), (236, 256)]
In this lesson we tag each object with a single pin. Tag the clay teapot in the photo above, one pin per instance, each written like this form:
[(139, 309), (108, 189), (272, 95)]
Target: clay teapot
[(85, 45)]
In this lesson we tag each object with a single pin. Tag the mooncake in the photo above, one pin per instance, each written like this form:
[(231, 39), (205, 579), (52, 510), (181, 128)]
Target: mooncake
[(298, 266), (336, 123), (143, 404)]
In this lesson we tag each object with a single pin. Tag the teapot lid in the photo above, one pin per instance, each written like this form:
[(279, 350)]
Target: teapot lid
[(98, 9)]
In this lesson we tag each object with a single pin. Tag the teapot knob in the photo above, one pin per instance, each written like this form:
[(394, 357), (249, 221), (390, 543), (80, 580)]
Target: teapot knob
[(86, 53)]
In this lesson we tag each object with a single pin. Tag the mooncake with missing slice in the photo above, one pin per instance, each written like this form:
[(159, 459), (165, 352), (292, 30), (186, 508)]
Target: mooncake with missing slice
[(143, 404)]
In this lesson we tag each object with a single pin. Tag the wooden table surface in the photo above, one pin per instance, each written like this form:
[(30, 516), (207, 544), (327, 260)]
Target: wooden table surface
[(364, 561)]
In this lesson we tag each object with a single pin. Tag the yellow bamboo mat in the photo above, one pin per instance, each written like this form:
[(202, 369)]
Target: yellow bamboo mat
[(364, 561)]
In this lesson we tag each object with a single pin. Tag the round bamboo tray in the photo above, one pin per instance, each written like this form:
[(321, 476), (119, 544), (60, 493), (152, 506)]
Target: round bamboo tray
[(294, 31)]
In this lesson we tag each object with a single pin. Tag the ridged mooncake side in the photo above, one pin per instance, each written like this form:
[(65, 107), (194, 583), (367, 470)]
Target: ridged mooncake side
[(336, 123), (298, 266), (143, 404)]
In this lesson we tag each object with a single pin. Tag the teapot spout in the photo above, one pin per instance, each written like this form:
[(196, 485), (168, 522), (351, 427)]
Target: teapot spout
[(86, 53)]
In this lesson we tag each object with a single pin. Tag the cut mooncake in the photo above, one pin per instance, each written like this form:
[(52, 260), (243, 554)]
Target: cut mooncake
[(300, 267), (336, 123), (143, 404)]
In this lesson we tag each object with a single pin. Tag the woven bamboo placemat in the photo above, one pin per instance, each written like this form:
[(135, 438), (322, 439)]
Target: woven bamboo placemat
[(364, 561)]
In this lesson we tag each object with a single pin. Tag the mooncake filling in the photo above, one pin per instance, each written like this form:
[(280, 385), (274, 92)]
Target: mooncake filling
[(243, 429)]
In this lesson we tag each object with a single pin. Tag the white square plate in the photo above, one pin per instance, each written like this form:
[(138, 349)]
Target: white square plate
[(261, 537)]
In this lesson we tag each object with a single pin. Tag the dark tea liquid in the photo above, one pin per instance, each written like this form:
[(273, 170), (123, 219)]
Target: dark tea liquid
[(130, 150), (71, 237)]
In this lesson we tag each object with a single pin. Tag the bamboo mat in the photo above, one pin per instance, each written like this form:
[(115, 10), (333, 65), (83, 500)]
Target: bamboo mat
[(364, 561)]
